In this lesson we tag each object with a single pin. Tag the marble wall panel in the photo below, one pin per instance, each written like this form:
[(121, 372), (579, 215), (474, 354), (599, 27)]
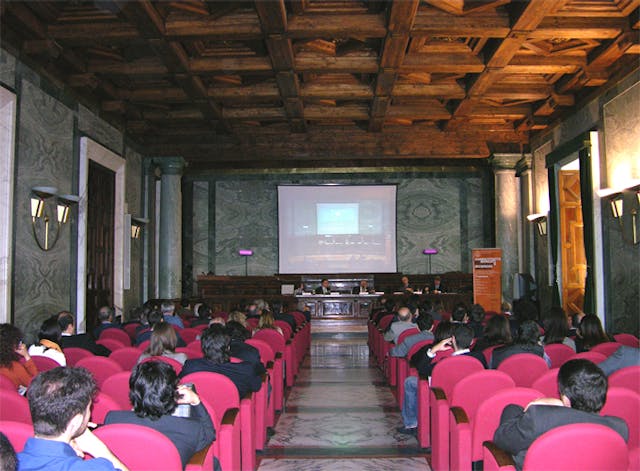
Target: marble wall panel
[(7, 69), (99, 130), (200, 232), (41, 280), (133, 197)]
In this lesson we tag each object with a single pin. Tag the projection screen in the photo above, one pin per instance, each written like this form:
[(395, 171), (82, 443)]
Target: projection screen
[(337, 229)]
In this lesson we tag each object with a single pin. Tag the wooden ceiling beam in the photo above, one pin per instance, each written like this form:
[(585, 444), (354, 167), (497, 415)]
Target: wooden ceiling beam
[(340, 91), (430, 111), (431, 21), (580, 28), (449, 90), (607, 54), (323, 64), (442, 63), (337, 26), (261, 91), (233, 26), (317, 112)]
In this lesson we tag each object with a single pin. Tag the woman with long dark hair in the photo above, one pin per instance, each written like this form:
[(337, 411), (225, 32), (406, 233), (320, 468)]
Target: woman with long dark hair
[(12, 348), (590, 333), (163, 344)]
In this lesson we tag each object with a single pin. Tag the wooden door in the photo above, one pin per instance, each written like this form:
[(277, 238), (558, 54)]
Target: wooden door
[(574, 264), (100, 240)]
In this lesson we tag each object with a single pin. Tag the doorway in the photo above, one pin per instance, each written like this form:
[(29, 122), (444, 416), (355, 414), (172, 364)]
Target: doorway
[(100, 232), (574, 263)]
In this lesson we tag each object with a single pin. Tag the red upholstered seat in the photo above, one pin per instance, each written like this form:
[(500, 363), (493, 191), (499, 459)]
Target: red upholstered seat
[(14, 407), (606, 348), (547, 384), (524, 368), (558, 353), (17, 432), (595, 357), (116, 334), (103, 404), (628, 377), (627, 339), (116, 387), (126, 357), (73, 355), (111, 344), (100, 367), (44, 363)]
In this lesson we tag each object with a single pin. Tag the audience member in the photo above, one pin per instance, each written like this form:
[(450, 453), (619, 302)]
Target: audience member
[(590, 333), (403, 323), (526, 342), (583, 391), (156, 318), (460, 315), (241, 350), (425, 325), (60, 404), (624, 356), (476, 320), (389, 308), (163, 344), (279, 314), (155, 395), (215, 347), (523, 310), (168, 309), (460, 342), (12, 348), (204, 315), (105, 321), (8, 458), (556, 328), (496, 332), (185, 313), (324, 287), (239, 317), (69, 338), (49, 342), (420, 360), (267, 322), (254, 309)]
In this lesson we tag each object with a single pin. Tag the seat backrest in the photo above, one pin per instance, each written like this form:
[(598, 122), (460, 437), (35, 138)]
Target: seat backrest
[(266, 352), (628, 377), (125, 440), (218, 390), (547, 384), (471, 391), (130, 329), (111, 344), (273, 338), (417, 346), (74, 354), (17, 432), (100, 367), (407, 333), (595, 357), (6, 383), (299, 317), (253, 322), (116, 334), (593, 447), (117, 387), (103, 404), (558, 353), (195, 345), (285, 327), (524, 368), (175, 364), (449, 371), (189, 334), (627, 339), (488, 414), (14, 407), (488, 351), (625, 403), (142, 346), (126, 357), (44, 363), (385, 321), (606, 348)]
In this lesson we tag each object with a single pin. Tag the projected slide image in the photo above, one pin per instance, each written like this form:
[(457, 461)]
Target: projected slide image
[(337, 218)]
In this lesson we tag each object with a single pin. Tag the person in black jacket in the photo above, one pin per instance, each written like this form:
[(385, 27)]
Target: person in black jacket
[(155, 394), (526, 342), (241, 350), (70, 339)]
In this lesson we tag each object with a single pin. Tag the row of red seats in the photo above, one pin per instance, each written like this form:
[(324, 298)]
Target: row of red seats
[(241, 423)]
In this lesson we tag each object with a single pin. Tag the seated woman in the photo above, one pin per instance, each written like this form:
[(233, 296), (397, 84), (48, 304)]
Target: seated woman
[(590, 333), (11, 349), (267, 322), (525, 342), (556, 328), (163, 344), (49, 342), (155, 395), (496, 332)]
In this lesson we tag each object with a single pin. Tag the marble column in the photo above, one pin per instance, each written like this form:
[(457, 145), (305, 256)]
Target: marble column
[(507, 205), (170, 243), (525, 253)]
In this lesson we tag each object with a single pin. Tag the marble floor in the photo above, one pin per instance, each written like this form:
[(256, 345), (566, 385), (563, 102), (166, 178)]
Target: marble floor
[(340, 415)]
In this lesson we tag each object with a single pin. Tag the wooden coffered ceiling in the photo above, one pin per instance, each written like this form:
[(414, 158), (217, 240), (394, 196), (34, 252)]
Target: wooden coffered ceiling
[(271, 83)]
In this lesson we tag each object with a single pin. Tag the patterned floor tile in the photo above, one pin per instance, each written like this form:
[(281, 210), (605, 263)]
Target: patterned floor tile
[(353, 464)]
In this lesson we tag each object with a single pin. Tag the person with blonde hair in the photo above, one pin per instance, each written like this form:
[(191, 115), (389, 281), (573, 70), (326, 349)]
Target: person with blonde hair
[(267, 322), (163, 344), (239, 317)]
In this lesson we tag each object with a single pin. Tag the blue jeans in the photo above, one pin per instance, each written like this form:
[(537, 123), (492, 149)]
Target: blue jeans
[(410, 403)]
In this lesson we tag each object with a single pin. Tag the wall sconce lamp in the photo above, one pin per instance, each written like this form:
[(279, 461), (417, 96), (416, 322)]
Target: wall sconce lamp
[(617, 203), (44, 217), (429, 253), (246, 253), (137, 224), (541, 222)]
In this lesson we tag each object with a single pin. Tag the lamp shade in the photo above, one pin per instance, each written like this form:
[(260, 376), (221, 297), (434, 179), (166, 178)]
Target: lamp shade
[(430, 251), (245, 252)]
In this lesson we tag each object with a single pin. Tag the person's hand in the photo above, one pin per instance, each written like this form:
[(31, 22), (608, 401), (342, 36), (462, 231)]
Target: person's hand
[(545, 401), (445, 344), (22, 351), (186, 395)]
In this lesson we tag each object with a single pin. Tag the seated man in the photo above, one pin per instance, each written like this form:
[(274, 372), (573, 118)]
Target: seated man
[(71, 339), (583, 391), (406, 287), (526, 342), (60, 405), (460, 341), (437, 286), (168, 310), (215, 347), (238, 348), (155, 394), (324, 287), (155, 317), (363, 288), (403, 323), (105, 321), (425, 324), (460, 315), (624, 356)]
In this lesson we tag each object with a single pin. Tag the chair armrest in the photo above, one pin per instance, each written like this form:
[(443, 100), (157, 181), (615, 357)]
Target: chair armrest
[(198, 458), (501, 457), (269, 365), (248, 396), (423, 377), (439, 394), (459, 415), (278, 355), (289, 342), (265, 377), (230, 415)]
